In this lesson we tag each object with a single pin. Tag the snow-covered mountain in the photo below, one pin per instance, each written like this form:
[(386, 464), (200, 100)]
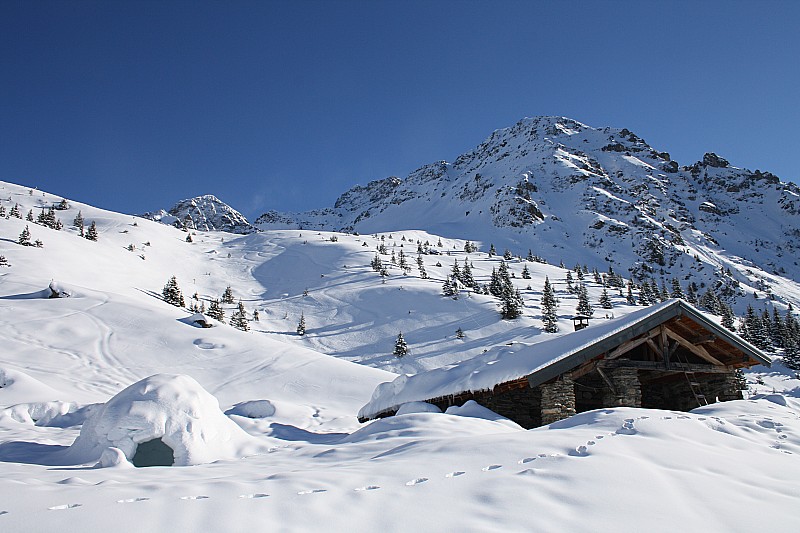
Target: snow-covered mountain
[(577, 194), (207, 213)]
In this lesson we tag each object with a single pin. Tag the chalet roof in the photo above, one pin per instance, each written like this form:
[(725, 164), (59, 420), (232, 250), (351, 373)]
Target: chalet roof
[(545, 360)]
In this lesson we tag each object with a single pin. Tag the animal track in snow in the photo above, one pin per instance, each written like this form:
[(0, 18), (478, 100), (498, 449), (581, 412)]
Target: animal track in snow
[(455, 474), (194, 497), (252, 496), (311, 491), (3, 512), (526, 460), (65, 506), (491, 467), (416, 481), (133, 500), (367, 487)]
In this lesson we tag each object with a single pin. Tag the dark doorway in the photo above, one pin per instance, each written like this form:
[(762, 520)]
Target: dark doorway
[(153, 453)]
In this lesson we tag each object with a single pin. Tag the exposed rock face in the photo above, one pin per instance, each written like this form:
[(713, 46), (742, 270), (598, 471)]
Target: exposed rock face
[(205, 213)]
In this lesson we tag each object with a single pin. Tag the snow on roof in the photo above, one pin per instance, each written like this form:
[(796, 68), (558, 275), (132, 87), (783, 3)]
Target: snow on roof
[(508, 363)]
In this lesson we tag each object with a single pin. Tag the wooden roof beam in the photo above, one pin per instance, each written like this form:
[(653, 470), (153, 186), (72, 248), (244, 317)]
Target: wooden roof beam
[(627, 346), (699, 351)]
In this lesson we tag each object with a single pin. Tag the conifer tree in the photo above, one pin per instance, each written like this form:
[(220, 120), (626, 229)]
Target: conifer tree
[(227, 295), (256, 316), (400, 346), (2, 211), (301, 326), (239, 318), (91, 234), (14, 212), (691, 294), (29, 216), (448, 288), (629, 298), (215, 310), (3, 261), (605, 301), (492, 251), (172, 293), (507, 255), (728, 317), (456, 271), (188, 237), (677, 291), (78, 223), (63, 205), (549, 307), (526, 274), (423, 274), (583, 308), (376, 263), (402, 262), (570, 288), (459, 333), (25, 237), (466, 275)]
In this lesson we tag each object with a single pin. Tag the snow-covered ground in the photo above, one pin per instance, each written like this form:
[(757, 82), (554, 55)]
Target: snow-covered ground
[(307, 464)]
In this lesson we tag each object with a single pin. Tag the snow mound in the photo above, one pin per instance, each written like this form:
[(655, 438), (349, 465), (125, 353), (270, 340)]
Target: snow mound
[(38, 413), (417, 407), (17, 387), (161, 414), (252, 409), (473, 409)]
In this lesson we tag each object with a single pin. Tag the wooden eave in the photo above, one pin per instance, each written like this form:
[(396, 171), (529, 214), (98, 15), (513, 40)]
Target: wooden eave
[(708, 340)]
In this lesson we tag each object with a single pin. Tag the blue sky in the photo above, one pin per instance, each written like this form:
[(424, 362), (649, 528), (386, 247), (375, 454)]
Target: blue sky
[(132, 106)]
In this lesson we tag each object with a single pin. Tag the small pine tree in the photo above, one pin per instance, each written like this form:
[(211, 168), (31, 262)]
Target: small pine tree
[(677, 291), (91, 233), (301, 326), (4, 261), (605, 301), (78, 223), (239, 318), (38, 243), (188, 237), (583, 308), (62, 205), (14, 212), (448, 289), (215, 311), (255, 315), (400, 346), (629, 299), (459, 333), (172, 293), (492, 251), (29, 216), (549, 307), (227, 295), (507, 255), (526, 274), (25, 237), (2, 211)]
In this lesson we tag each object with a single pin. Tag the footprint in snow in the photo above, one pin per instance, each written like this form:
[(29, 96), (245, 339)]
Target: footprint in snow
[(455, 474), (543, 455), (598, 437), (526, 460), (65, 506), (590, 443), (133, 500), (367, 487), (3, 512), (194, 497), (416, 481), (491, 467), (311, 491), (252, 496), (580, 451)]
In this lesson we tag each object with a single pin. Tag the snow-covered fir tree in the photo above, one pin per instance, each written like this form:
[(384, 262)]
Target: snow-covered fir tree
[(400, 346), (239, 318), (605, 300), (77, 223), (216, 311), (25, 237), (301, 325), (549, 308), (227, 295), (91, 233), (526, 274), (172, 293), (583, 308), (14, 212)]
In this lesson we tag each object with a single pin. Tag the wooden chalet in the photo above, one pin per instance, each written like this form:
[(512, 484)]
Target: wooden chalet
[(667, 356)]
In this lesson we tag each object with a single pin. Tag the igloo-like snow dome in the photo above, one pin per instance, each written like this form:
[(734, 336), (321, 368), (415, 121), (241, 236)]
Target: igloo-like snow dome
[(163, 420)]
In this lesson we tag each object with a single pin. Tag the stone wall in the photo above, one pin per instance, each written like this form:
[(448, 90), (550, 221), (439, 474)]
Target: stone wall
[(558, 400)]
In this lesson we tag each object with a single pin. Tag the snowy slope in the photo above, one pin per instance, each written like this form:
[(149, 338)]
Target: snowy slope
[(578, 194), (313, 466)]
